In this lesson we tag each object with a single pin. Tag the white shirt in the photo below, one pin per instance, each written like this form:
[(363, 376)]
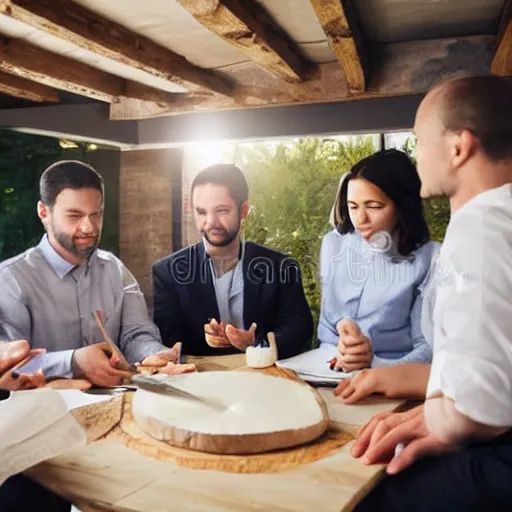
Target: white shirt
[(472, 318)]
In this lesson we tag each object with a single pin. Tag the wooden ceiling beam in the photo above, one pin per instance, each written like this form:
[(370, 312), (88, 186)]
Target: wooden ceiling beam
[(27, 90), (72, 22), (22, 59), (248, 27), (398, 69), (339, 23), (502, 60), (30, 63)]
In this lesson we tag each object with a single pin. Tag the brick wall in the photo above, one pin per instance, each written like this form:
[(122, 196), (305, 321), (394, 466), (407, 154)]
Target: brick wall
[(146, 210)]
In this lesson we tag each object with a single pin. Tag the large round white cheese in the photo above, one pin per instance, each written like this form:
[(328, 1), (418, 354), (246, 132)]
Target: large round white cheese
[(261, 413)]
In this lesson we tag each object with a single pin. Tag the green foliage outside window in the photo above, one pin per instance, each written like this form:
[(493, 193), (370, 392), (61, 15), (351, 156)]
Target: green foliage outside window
[(23, 157)]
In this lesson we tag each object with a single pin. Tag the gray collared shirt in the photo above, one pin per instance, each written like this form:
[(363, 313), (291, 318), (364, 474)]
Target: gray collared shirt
[(49, 302)]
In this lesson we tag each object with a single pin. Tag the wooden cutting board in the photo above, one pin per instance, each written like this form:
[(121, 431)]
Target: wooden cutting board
[(132, 436)]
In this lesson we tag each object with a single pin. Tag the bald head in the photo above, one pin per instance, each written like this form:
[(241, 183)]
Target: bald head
[(464, 136), (481, 105)]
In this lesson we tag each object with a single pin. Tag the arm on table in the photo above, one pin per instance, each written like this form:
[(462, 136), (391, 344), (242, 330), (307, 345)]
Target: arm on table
[(139, 336), (468, 395), (401, 381)]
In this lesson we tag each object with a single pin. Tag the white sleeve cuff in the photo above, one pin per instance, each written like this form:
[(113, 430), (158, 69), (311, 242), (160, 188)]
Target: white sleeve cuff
[(481, 390)]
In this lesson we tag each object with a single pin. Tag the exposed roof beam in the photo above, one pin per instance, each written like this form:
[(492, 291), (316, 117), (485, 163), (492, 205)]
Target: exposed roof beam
[(90, 122), (21, 88), (502, 61), (87, 122), (248, 27), (399, 69), (141, 92), (74, 23), (339, 23), (31, 63)]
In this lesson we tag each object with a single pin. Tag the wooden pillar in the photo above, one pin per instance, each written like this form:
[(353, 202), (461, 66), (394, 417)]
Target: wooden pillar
[(146, 209)]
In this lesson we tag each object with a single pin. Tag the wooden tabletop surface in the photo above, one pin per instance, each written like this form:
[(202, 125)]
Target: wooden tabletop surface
[(111, 474)]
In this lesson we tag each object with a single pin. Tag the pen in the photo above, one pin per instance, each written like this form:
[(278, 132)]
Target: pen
[(332, 363)]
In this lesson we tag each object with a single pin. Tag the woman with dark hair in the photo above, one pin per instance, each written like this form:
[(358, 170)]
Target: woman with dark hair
[(374, 265)]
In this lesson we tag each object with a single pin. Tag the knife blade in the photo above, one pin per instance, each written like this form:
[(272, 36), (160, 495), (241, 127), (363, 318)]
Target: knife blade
[(153, 385)]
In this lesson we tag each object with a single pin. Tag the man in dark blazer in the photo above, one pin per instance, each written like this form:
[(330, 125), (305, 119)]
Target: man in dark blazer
[(221, 295)]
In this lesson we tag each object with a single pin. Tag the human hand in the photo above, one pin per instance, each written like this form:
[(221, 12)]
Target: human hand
[(215, 334), (377, 427), (92, 363), (354, 348), (167, 361), (165, 356), (365, 383), (380, 436), (22, 381), (14, 355), (177, 369), (241, 338)]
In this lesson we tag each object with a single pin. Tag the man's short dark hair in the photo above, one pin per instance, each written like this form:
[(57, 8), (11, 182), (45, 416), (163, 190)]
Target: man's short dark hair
[(483, 106), (224, 174), (67, 174)]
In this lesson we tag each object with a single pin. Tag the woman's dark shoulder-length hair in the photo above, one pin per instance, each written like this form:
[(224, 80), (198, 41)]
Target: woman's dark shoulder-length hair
[(395, 174)]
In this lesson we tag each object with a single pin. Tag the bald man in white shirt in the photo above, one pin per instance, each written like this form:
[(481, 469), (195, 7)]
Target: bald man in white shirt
[(458, 446)]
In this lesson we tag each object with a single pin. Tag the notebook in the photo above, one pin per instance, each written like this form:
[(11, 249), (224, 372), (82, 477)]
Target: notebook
[(313, 366)]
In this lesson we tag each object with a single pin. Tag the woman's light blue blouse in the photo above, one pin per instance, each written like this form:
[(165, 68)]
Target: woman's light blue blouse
[(379, 291)]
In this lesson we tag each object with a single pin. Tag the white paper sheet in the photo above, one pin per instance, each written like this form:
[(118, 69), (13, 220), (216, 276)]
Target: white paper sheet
[(35, 426), (313, 365), (74, 398)]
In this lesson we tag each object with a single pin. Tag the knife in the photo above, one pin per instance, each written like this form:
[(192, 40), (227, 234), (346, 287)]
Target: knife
[(164, 388)]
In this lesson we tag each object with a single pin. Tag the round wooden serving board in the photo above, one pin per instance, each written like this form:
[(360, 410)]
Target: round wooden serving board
[(132, 436)]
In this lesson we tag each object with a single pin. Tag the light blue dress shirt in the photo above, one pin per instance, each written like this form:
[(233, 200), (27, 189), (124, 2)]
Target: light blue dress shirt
[(380, 291), (49, 302)]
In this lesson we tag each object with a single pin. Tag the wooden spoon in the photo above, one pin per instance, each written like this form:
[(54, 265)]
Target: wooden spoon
[(123, 364)]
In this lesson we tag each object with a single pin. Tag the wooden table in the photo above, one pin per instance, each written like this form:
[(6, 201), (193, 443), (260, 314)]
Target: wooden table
[(109, 475)]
